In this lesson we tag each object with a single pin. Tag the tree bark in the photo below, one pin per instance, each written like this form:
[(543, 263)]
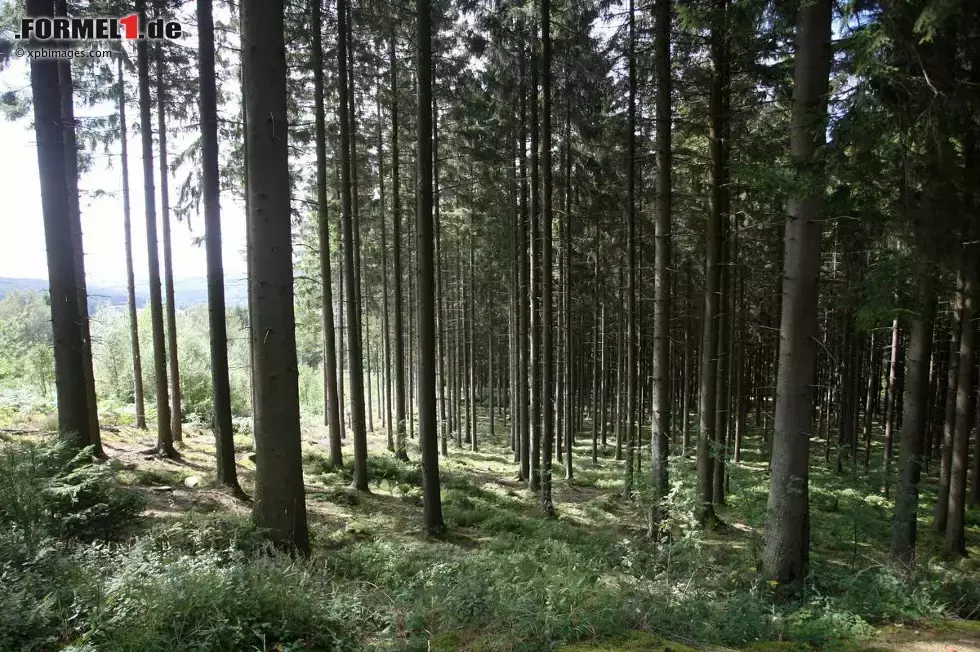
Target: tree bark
[(523, 271), (890, 402), (631, 366), (955, 541), (787, 535), (353, 315), (547, 318), (134, 335), (660, 431), (67, 94), (280, 500), (428, 425), (330, 389), (534, 391), (227, 472), (176, 417), (710, 431), (399, 330), (913, 425), (74, 420), (940, 511), (165, 441)]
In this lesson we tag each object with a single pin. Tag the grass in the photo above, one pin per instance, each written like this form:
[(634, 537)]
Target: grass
[(197, 575)]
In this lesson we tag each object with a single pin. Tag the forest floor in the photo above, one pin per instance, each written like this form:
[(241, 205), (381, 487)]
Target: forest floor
[(508, 577)]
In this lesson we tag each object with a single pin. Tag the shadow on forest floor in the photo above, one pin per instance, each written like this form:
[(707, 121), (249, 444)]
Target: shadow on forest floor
[(507, 576)]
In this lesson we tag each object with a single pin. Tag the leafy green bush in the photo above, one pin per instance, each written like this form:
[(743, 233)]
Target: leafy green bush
[(49, 489), (209, 602)]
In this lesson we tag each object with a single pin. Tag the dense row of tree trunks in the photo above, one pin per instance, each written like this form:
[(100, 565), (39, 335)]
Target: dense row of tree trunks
[(822, 377)]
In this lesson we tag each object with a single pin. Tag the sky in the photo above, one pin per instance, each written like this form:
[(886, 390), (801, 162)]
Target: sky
[(22, 248)]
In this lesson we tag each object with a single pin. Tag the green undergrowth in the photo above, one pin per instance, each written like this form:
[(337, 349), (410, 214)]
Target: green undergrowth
[(506, 577)]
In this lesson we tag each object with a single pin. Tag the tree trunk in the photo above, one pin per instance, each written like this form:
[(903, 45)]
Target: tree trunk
[(913, 426), (598, 367), (787, 535), (74, 419), (570, 384), (710, 431), (631, 366), (441, 330), (227, 472), (280, 501), (385, 316), (955, 541), (660, 431), (523, 293), (604, 371), (720, 184), (547, 318), (534, 391), (399, 336), (873, 381), (619, 389), (940, 511), (425, 263), (176, 417), (471, 343), (890, 403), (330, 389), (688, 355), (165, 441), (71, 171), (353, 316), (134, 336)]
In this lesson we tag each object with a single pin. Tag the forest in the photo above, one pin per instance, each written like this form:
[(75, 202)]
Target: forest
[(565, 325)]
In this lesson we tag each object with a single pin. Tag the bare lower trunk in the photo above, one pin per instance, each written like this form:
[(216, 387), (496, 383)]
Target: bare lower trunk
[(332, 412), (949, 415), (660, 432), (955, 541), (227, 472), (913, 426), (358, 426), (176, 418), (165, 443), (74, 421), (787, 534), (280, 497)]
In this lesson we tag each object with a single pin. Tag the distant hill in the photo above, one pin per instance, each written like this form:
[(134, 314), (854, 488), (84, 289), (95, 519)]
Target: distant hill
[(188, 292)]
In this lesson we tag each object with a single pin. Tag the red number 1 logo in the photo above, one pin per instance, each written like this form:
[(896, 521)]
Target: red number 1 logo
[(131, 25)]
